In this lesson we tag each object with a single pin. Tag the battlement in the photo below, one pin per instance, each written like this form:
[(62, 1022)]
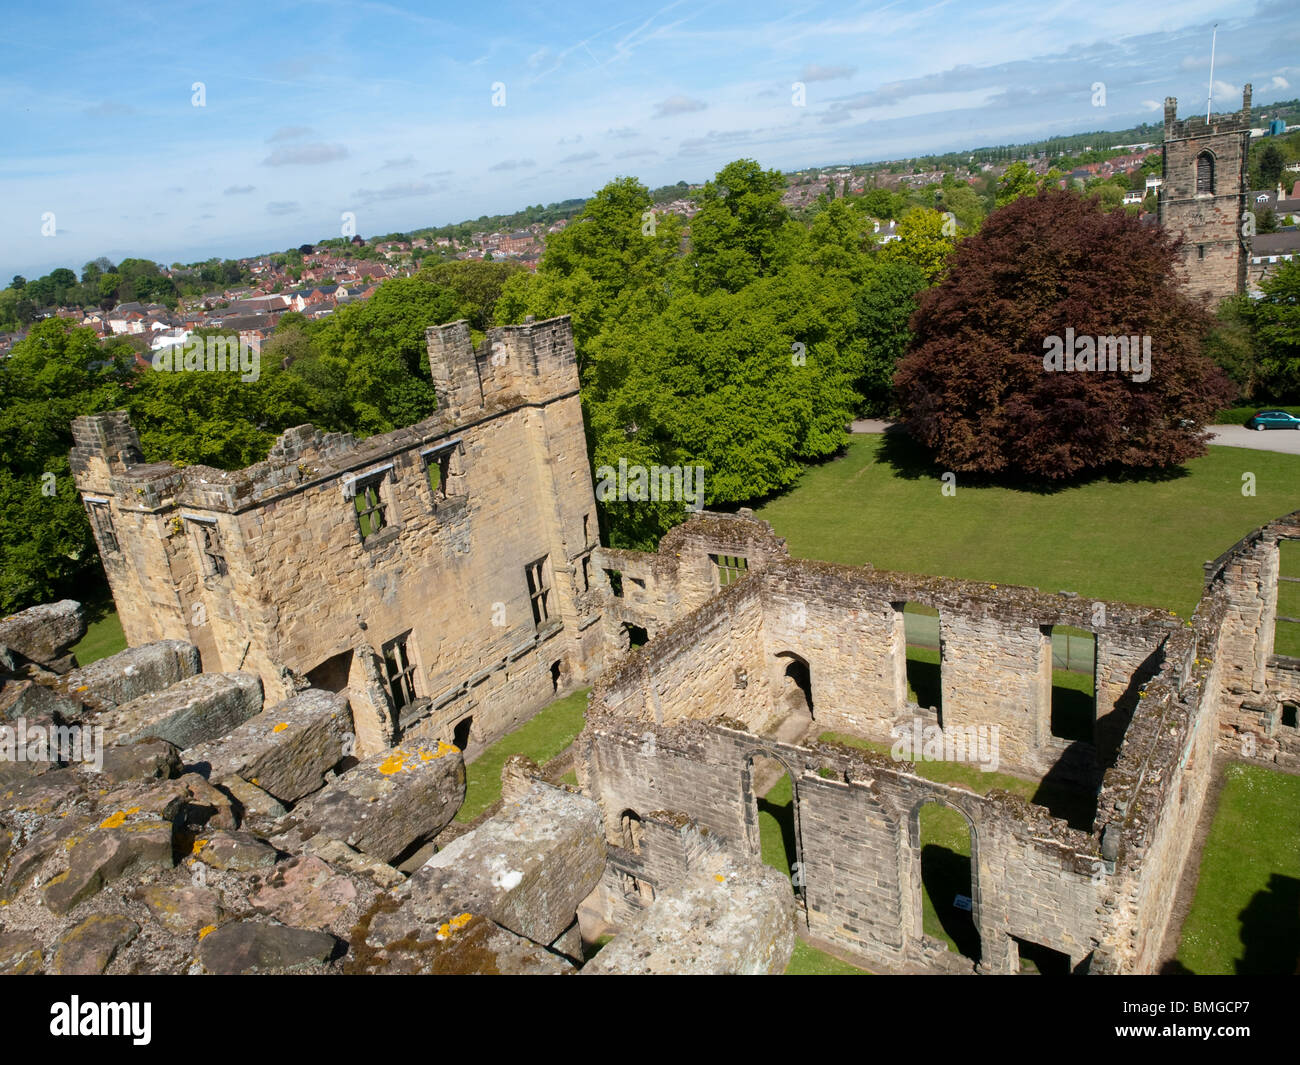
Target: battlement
[(1196, 126)]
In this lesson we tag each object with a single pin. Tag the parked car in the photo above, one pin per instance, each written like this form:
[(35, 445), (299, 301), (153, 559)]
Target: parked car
[(1273, 419)]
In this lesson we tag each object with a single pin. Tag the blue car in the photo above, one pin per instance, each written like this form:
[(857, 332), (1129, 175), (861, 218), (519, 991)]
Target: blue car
[(1273, 419)]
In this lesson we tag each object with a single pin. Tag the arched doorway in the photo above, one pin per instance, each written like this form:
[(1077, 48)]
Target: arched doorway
[(944, 843), (773, 816), (795, 693)]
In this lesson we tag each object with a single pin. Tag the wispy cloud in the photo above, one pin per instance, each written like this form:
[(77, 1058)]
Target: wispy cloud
[(306, 155), (678, 105), (402, 191), (817, 72), (283, 207), (512, 164), (288, 133), (238, 190), (579, 157)]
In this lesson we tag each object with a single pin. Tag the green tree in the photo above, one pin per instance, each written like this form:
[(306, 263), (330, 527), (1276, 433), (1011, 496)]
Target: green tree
[(736, 236), (922, 242), (1018, 181), (1275, 325)]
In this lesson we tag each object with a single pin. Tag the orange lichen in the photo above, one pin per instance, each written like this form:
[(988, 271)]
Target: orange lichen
[(281, 726), (460, 921), (199, 844), (116, 820), (207, 929), (719, 878)]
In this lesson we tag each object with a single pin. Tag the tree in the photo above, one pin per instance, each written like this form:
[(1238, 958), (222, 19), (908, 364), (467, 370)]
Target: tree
[(736, 236), (882, 308), (1271, 164), (1275, 324), (477, 286), (976, 389), (1018, 181), (922, 241)]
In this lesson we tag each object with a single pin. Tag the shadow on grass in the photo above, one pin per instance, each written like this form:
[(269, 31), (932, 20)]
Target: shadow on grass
[(913, 461), (944, 875), (924, 679), (783, 814), (1270, 929)]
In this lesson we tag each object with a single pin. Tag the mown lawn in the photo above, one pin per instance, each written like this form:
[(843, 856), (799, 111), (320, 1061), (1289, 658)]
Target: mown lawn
[(1245, 917), (809, 961), (1138, 541), (103, 637), (541, 738)]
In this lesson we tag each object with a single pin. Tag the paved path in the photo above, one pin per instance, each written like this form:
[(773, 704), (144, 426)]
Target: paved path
[(1286, 441)]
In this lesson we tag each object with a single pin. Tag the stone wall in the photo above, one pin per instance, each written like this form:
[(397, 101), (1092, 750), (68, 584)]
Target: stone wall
[(298, 587)]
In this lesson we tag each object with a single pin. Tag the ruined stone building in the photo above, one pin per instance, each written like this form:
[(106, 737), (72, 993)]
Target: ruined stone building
[(1203, 197), (319, 642), (753, 656), (450, 558)]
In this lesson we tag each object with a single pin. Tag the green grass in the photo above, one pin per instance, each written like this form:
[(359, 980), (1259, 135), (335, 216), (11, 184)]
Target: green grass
[(1132, 541), (946, 873), (570, 778), (103, 637), (1245, 917), (776, 825), (809, 961), (542, 738)]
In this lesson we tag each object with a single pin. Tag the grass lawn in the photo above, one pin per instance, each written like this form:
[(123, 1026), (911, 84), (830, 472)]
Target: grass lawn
[(1132, 541), (945, 874), (1245, 918), (542, 738), (103, 637), (809, 961)]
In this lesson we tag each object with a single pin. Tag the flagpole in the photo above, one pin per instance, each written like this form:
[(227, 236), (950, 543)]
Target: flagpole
[(1209, 100)]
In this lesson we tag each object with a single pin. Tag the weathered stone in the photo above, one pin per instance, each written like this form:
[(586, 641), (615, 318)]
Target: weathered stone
[(527, 868), (389, 803), (256, 946), (125, 843), (196, 710), (89, 947), (20, 954), (285, 750), (132, 673), (341, 856), (252, 800), (737, 920), (463, 944), (30, 699), (237, 852), (146, 760), (305, 892), (44, 633), (182, 908), (51, 791)]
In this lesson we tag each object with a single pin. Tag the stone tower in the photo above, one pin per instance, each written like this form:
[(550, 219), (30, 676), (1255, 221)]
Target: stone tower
[(1203, 197)]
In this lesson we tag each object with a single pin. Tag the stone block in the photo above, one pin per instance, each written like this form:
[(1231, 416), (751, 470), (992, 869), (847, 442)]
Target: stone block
[(44, 633), (285, 750), (132, 673), (196, 710)]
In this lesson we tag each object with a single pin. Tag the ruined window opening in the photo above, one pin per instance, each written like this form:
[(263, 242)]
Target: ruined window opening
[(400, 672), (615, 582), (586, 527), (101, 520), (1286, 619), (923, 649), (636, 635), (727, 569), (438, 470), (638, 582), (797, 683), (370, 506), (1200, 251), (636, 890), (1205, 172), (557, 674), (214, 558), (947, 849), (460, 735), (632, 830), (1038, 959), (586, 573), (1291, 715), (539, 589), (1074, 683)]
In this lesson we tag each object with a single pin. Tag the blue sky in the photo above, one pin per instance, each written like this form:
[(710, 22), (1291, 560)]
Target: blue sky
[(386, 109)]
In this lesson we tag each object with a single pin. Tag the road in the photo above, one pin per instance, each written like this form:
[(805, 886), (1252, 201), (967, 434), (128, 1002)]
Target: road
[(1285, 441)]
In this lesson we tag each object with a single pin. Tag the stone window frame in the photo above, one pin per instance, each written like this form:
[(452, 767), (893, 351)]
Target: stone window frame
[(208, 541), (537, 576), (1205, 172), (733, 567), (100, 512), (446, 458), (375, 486), (401, 670)]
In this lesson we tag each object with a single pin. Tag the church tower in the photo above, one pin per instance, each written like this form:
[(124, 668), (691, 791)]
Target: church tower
[(1203, 197)]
